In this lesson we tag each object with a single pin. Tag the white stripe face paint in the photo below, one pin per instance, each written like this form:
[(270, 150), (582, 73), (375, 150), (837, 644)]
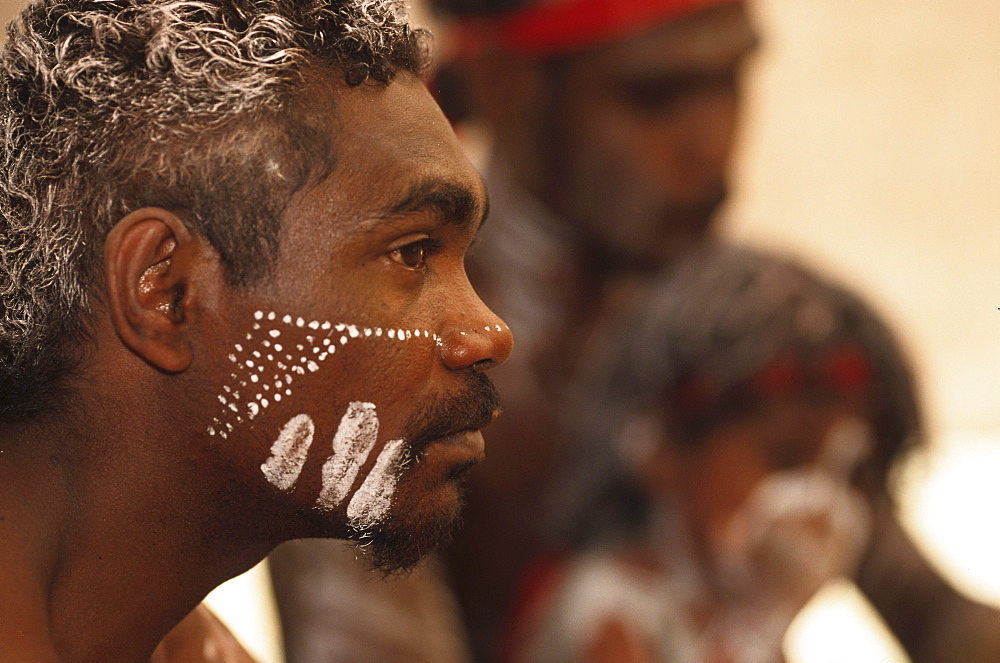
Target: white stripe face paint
[(289, 451), (355, 438), (372, 500)]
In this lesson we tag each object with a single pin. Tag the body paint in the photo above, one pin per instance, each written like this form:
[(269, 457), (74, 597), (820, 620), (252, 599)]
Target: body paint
[(265, 365), (372, 500), (355, 439), (289, 451)]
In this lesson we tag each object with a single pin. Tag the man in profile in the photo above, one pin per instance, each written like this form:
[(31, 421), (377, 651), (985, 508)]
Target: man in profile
[(611, 124), (234, 311)]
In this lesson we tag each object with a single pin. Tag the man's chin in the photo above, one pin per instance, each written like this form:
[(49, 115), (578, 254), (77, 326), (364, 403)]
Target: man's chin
[(397, 544)]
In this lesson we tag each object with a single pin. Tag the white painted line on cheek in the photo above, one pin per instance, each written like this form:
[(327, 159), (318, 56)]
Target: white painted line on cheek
[(372, 500), (355, 438), (289, 451)]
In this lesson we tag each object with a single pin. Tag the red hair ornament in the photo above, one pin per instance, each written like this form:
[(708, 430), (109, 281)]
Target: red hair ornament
[(555, 27)]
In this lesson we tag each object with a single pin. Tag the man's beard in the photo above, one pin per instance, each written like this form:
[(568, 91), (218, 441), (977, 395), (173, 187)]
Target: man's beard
[(415, 525)]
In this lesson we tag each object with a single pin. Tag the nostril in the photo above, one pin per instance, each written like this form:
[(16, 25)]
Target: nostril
[(484, 364), (479, 348)]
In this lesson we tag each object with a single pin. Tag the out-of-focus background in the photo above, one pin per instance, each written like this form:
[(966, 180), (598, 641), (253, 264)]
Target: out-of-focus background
[(871, 146)]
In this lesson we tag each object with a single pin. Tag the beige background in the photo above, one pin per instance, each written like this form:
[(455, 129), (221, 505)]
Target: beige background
[(871, 146)]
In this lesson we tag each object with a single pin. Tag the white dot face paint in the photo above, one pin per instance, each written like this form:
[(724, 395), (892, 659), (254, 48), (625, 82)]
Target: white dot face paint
[(372, 500), (355, 438), (256, 372), (289, 451)]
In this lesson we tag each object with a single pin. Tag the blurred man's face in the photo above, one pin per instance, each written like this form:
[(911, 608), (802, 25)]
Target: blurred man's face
[(638, 134)]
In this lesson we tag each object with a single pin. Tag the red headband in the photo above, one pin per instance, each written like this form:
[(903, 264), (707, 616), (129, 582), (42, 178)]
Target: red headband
[(843, 370), (550, 28)]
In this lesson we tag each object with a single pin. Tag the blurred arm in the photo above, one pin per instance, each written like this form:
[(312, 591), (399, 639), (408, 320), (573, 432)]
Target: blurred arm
[(932, 621)]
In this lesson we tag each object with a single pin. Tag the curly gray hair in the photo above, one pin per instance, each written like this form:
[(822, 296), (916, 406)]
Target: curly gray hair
[(191, 105)]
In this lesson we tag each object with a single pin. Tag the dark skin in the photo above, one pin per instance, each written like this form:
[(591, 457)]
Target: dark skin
[(121, 512)]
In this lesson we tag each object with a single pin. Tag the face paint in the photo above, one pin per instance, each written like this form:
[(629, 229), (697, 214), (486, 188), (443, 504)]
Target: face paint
[(264, 367), (355, 438), (267, 362), (289, 451), (803, 526), (372, 500)]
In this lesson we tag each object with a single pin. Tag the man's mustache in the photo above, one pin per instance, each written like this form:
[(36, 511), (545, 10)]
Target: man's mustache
[(471, 408)]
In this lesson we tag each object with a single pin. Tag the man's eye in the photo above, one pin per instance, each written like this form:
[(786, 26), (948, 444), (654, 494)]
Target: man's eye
[(411, 256), (663, 94)]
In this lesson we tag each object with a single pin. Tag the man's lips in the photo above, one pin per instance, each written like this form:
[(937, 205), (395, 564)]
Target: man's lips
[(468, 441), (471, 438), (457, 417), (485, 419)]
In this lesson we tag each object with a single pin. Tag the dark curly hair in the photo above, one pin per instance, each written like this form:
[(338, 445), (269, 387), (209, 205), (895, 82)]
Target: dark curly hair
[(463, 8)]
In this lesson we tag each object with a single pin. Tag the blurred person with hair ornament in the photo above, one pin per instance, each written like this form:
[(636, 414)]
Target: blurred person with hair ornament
[(732, 454)]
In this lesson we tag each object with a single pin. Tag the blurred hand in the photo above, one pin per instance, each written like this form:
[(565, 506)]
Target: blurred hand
[(796, 531)]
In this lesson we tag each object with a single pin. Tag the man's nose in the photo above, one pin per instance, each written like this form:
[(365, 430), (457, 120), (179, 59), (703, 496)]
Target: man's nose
[(708, 135), (476, 339)]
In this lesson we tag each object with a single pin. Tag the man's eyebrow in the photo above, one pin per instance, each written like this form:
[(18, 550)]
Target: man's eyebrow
[(457, 203)]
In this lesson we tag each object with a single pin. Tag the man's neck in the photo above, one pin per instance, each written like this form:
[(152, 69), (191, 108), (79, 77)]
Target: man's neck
[(106, 541)]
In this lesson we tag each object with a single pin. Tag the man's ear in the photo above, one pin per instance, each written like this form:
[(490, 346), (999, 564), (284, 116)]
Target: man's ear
[(149, 258)]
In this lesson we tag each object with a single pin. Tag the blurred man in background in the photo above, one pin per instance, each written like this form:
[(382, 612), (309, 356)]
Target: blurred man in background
[(613, 159), (609, 127)]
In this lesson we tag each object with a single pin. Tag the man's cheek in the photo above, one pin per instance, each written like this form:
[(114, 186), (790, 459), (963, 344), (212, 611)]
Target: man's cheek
[(353, 443), (372, 500), (266, 365), (270, 365), (289, 452)]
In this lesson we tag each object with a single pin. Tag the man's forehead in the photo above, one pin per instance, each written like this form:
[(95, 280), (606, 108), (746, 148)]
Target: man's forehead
[(394, 154), (713, 39), (463, 203)]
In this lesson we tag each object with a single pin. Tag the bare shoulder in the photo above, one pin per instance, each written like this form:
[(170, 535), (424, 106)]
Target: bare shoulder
[(201, 638)]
